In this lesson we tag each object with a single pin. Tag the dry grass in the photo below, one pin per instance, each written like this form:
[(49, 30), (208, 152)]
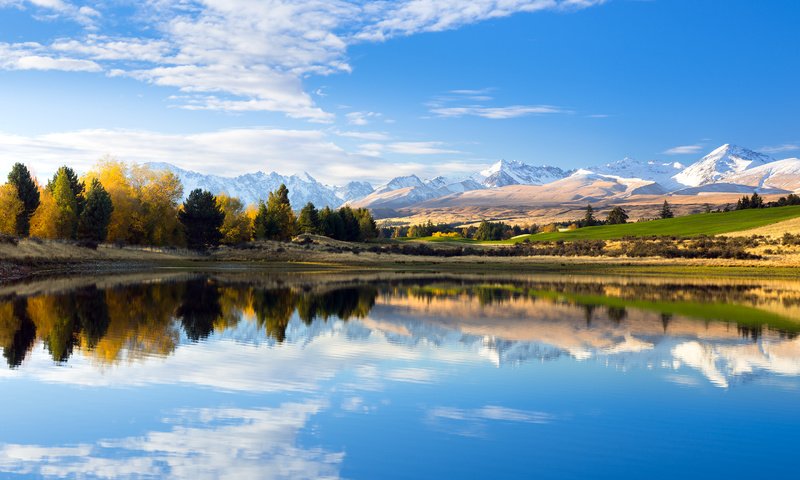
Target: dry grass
[(776, 230)]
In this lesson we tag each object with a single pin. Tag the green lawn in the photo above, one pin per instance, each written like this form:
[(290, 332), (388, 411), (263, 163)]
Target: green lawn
[(686, 226)]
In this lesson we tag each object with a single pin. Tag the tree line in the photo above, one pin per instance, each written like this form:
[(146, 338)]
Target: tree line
[(136, 205)]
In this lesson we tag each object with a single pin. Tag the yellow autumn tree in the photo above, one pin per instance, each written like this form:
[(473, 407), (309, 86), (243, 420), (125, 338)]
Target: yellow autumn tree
[(44, 222), (237, 226), (11, 207), (159, 192), (113, 175)]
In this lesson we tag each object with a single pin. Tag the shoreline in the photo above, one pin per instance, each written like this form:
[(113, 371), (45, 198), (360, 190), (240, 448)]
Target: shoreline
[(36, 259)]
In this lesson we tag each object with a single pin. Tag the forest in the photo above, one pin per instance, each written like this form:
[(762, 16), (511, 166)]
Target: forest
[(135, 205)]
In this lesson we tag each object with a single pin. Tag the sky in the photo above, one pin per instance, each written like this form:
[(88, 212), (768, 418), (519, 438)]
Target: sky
[(369, 90)]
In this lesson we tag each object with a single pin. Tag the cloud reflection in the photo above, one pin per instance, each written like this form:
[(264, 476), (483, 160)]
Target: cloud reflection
[(202, 443)]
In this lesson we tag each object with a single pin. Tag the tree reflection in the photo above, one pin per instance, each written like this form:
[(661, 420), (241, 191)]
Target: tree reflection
[(200, 308), (22, 330), (131, 321)]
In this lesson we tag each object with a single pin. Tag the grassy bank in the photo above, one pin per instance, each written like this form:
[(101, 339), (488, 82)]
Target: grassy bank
[(687, 226)]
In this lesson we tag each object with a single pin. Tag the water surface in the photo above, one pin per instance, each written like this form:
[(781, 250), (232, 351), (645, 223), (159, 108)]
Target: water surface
[(326, 376)]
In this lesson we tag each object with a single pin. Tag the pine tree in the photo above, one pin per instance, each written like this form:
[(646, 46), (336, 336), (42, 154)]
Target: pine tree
[(756, 201), (276, 221), (67, 206), (332, 225), (666, 210), (76, 186), (202, 218), (28, 193), (96, 215), (309, 221), (367, 228), (617, 216), (352, 231), (588, 219)]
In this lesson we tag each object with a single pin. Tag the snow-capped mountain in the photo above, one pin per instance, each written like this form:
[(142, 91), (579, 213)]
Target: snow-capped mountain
[(781, 174), (397, 183), (353, 191), (254, 187), (658, 172), (727, 169), (513, 172), (723, 162)]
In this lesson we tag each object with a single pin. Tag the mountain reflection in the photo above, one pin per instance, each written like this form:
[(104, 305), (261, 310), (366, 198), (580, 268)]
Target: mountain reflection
[(516, 319)]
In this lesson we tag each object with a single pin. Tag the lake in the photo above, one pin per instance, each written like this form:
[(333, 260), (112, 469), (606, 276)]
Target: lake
[(247, 375)]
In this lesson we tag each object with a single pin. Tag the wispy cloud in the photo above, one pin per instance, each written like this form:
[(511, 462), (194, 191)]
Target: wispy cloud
[(498, 113), (361, 118), (33, 56), (786, 147), (683, 150), (224, 152), (245, 55)]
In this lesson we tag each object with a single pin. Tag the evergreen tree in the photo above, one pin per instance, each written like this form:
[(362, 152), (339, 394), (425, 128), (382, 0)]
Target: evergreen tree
[(616, 216), (202, 218), (350, 224), (276, 220), (743, 203), (588, 219), (756, 201), (66, 206), (28, 193), (367, 228), (76, 186), (261, 226), (666, 210), (332, 225), (309, 220), (96, 215)]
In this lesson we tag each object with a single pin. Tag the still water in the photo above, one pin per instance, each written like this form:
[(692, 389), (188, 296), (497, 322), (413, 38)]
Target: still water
[(326, 376)]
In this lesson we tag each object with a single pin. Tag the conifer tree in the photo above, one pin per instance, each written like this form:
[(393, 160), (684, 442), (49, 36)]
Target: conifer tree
[(96, 215), (666, 210), (309, 221), (76, 186), (28, 193), (616, 216), (202, 218), (588, 219), (276, 221), (67, 206)]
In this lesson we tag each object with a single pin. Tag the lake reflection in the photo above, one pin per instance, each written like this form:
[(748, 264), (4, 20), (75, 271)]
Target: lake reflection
[(325, 376)]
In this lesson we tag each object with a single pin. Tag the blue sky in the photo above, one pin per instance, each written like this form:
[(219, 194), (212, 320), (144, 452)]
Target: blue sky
[(371, 90)]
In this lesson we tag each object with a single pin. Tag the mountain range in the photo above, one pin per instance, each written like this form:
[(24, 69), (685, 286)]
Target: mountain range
[(727, 169)]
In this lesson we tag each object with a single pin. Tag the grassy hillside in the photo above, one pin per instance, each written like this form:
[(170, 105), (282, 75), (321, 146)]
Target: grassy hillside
[(687, 226)]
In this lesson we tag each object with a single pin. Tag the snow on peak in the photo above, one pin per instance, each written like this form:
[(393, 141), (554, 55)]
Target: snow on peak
[(514, 172), (723, 162), (400, 182)]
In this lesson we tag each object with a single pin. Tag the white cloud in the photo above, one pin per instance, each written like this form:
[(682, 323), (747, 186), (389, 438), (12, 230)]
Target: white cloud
[(224, 152), (372, 136), (415, 16), (85, 15), (361, 118), (786, 147), (498, 113), (683, 150), (201, 443), (251, 55), (31, 56)]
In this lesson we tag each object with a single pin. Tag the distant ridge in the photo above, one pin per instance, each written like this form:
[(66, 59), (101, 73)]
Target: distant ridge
[(726, 169)]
